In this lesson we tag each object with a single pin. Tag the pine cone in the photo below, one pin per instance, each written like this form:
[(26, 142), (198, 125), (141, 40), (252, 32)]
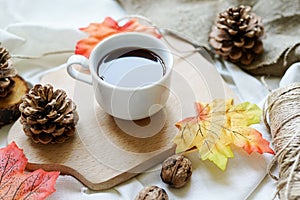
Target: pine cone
[(6, 73), (236, 35), (48, 116)]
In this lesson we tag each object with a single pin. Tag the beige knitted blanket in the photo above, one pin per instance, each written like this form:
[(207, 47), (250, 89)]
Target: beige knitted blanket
[(194, 19)]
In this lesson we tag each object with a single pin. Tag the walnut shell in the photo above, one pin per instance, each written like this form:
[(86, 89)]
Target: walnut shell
[(152, 193), (176, 171)]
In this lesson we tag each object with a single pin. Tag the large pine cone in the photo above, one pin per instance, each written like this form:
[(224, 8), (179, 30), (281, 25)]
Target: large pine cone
[(6, 73), (48, 116), (236, 35)]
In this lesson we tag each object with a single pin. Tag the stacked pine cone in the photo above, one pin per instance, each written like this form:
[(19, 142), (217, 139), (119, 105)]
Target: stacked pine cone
[(236, 35), (12, 89), (7, 72), (47, 115)]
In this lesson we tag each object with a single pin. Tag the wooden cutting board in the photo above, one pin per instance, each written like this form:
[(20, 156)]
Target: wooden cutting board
[(107, 151)]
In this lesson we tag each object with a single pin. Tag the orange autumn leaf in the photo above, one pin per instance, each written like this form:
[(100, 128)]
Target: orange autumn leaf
[(99, 31), (217, 126), (15, 184)]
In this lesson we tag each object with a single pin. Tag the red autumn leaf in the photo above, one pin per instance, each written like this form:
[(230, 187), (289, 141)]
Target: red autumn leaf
[(99, 31), (15, 184)]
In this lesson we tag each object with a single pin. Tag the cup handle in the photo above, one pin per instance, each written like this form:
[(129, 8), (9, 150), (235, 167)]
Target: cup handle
[(82, 61)]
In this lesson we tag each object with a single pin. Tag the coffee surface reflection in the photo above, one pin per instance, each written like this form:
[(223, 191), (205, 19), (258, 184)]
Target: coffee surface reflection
[(131, 67)]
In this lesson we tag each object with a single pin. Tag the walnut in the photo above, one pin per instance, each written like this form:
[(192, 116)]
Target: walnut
[(152, 193), (176, 171)]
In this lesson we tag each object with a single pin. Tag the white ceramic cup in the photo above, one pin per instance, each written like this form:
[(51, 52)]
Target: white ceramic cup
[(129, 103)]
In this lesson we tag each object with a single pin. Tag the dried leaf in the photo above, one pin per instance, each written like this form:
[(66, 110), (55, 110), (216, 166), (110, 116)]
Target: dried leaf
[(99, 31), (219, 125), (15, 184)]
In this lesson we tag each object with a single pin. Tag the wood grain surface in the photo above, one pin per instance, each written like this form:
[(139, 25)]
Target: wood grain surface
[(107, 151)]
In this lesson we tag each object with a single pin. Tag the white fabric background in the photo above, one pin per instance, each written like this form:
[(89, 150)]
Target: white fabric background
[(32, 28)]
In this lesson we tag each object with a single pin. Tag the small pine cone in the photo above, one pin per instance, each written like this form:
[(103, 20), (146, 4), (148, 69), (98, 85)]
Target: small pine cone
[(7, 72), (48, 116), (236, 35)]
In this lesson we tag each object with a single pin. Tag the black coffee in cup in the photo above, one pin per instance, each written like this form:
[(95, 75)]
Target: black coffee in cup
[(131, 67)]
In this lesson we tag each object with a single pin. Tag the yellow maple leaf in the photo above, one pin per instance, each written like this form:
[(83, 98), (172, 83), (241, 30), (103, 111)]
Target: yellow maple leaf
[(217, 126)]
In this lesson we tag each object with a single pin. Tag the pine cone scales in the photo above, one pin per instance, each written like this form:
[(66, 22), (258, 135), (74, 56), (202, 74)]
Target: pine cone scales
[(6, 73), (48, 116), (236, 35)]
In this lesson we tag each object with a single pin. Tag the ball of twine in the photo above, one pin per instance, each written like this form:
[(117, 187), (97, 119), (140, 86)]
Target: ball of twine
[(282, 117)]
